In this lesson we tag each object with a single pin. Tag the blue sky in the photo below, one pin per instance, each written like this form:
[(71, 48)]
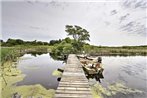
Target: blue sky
[(110, 22)]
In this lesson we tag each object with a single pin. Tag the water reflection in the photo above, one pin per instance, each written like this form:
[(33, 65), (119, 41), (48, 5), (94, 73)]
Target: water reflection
[(130, 70), (36, 53), (38, 69), (127, 69), (97, 77)]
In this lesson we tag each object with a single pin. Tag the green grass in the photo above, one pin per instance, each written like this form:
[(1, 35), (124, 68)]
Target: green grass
[(8, 54), (11, 53), (125, 50)]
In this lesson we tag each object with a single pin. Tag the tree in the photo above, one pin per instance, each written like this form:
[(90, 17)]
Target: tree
[(2, 42), (19, 42), (53, 42), (34, 42), (11, 42), (79, 35), (67, 40)]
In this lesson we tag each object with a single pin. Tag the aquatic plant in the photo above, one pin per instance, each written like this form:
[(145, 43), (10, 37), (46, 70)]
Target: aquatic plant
[(99, 91)]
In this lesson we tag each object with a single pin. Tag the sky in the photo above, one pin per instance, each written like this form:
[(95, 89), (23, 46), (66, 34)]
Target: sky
[(109, 22)]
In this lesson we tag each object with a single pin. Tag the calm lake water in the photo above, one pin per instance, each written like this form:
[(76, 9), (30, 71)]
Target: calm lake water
[(130, 70), (38, 70)]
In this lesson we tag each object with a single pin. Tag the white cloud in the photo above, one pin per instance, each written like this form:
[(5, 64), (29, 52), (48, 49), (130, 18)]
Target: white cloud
[(106, 21)]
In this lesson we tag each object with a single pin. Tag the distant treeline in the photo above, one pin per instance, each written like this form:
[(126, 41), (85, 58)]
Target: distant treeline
[(13, 42), (65, 46)]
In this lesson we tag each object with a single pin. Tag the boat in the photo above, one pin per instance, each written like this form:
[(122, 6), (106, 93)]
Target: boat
[(89, 71), (88, 68)]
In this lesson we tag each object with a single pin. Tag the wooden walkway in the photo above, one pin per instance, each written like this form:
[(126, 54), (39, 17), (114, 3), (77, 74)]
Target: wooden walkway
[(73, 82)]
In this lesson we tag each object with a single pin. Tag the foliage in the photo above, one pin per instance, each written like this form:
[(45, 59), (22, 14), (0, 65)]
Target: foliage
[(13, 42), (8, 54), (12, 53), (67, 40), (79, 35), (53, 42), (62, 48)]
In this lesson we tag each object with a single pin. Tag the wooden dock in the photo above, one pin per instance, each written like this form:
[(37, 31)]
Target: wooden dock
[(73, 82)]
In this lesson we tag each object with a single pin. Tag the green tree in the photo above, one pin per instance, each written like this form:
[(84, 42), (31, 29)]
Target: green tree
[(67, 40), (40, 43), (34, 42), (53, 42), (79, 35), (19, 42), (11, 42)]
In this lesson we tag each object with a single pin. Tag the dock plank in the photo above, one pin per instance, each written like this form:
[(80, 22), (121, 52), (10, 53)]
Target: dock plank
[(73, 82)]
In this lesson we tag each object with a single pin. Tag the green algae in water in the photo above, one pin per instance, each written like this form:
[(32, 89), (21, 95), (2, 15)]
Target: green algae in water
[(98, 90), (34, 91), (14, 75), (95, 94), (11, 72), (25, 91), (121, 88), (57, 73), (8, 90)]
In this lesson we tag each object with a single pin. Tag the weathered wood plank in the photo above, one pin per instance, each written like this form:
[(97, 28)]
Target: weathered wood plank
[(73, 85), (73, 96), (72, 92), (76, 81), (73, 79), (73, 82), (73, 88)]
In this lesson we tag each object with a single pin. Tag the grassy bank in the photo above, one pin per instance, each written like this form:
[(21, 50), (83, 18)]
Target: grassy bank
[(124, 50), (67, 48), (11, 53)]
